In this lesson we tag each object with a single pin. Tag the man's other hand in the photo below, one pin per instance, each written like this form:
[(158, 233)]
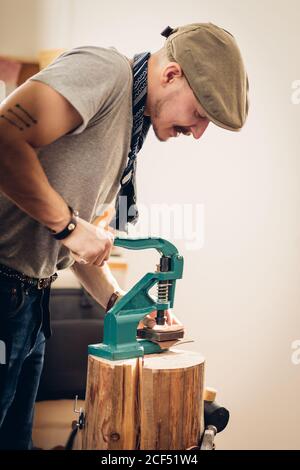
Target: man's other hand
[(149, 320)]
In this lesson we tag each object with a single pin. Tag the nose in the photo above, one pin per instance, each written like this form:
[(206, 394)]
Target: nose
[(199, 128)]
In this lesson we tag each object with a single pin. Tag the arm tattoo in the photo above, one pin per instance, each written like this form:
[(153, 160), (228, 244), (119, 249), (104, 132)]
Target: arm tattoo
[(22, 116), (27, 114), (11, 122), (19, 117)]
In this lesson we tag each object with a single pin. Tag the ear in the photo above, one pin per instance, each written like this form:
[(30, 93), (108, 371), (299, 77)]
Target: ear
[(170, 72)]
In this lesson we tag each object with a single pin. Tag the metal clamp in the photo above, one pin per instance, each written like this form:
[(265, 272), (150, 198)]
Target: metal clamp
[(76, 425), (81, 417), (208, 438)]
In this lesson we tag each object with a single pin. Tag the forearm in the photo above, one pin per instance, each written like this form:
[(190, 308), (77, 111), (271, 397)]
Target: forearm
[(23, 180), (98, 281)]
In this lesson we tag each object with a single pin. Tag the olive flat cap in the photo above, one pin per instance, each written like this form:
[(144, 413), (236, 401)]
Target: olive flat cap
[(213, 66)]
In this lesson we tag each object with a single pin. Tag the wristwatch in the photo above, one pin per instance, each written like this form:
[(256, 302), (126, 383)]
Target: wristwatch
[(69, 228)]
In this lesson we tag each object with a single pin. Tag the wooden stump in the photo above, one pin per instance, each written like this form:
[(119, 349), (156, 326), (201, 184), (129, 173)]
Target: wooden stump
[(155, 402)]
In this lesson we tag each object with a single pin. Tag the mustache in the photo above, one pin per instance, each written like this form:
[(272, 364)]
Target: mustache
[(182, 130)]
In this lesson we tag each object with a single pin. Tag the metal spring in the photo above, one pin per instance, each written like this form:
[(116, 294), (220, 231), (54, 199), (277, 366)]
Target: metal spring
[(163, 291)]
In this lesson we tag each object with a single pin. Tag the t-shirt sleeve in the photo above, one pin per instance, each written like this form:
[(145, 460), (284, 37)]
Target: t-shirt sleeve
[(92, 79)]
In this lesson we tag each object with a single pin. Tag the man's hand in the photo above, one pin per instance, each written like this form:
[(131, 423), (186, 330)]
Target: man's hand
[(89, 244), (149, 320)]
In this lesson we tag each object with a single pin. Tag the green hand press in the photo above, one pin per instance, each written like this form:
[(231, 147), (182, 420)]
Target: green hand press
[(120, 339)]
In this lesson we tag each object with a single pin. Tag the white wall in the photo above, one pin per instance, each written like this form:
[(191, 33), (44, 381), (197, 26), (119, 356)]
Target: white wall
[(19, 20), (239, 297)]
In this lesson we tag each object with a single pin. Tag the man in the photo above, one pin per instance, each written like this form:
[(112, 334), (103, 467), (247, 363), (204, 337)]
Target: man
[(68, 137)]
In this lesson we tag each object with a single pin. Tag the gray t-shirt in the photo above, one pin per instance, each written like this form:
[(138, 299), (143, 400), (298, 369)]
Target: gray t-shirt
[(84, 166)]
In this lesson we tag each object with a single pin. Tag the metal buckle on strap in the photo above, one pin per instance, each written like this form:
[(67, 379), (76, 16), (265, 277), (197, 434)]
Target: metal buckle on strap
[(44, 283)]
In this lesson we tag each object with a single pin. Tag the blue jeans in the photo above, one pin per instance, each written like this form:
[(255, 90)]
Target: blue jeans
[(22, 346)]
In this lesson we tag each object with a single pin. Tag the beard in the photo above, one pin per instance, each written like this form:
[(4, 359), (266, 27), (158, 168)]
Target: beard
[(159, 107), (156, 132), (157, 111)]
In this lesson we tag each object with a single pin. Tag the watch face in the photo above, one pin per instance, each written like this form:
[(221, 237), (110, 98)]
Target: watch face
[(71, 226)]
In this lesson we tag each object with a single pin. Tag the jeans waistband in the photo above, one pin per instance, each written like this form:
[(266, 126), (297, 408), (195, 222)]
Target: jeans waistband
[(39, 283)]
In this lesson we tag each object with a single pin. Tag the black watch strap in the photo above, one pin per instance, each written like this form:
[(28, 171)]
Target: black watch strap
[(69, 228), (112, 300)]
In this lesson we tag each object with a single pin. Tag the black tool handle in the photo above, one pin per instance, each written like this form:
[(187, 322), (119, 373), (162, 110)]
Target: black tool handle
[(215, 415)]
